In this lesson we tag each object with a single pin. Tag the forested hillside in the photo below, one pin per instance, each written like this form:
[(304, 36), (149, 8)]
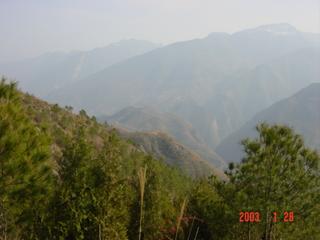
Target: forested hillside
[(162, 146), (149, 119), (65, 176)]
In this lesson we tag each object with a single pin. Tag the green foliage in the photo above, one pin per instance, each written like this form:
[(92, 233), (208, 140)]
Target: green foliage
[(113, 193), (95, 192), (209, 211), (278, 174), (25, 175), (65, 176), (165, 189)]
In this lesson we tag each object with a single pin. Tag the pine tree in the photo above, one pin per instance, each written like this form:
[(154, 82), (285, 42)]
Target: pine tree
[(208, 210), (25, 172), (112, 191), (71, 205), (279, 174)]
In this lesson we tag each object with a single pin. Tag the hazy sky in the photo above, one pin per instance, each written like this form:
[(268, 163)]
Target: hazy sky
[(32, 27)]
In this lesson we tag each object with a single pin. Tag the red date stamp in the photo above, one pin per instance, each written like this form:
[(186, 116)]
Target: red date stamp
[(256, 217)]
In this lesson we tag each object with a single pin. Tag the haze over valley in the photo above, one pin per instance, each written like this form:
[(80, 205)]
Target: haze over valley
[(160, 120), (199, 91)]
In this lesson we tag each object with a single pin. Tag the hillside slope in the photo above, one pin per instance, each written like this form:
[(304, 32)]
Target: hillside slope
[(148, 119), (62, 122), (300, 111), (162, 146), (53, 160)]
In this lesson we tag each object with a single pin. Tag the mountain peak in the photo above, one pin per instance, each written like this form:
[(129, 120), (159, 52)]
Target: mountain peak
[(279, 28), (218, 35)]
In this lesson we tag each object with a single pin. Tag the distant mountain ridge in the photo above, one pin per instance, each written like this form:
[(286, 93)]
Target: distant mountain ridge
[(300, 111), (241, 97), (41, 75), (192, 67)]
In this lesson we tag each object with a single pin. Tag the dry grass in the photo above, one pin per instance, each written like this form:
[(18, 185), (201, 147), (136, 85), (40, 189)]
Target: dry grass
[(142, 175), (183, 207)]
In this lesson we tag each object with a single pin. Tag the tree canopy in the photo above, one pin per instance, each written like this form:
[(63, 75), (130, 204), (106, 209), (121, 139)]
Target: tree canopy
[(66, 176)]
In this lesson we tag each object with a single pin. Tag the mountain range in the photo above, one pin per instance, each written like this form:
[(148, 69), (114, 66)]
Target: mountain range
[(53, 70), (199, 93), (216, 83)]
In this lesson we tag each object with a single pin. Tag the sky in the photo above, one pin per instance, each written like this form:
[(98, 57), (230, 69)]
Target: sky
[(32, 27)]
